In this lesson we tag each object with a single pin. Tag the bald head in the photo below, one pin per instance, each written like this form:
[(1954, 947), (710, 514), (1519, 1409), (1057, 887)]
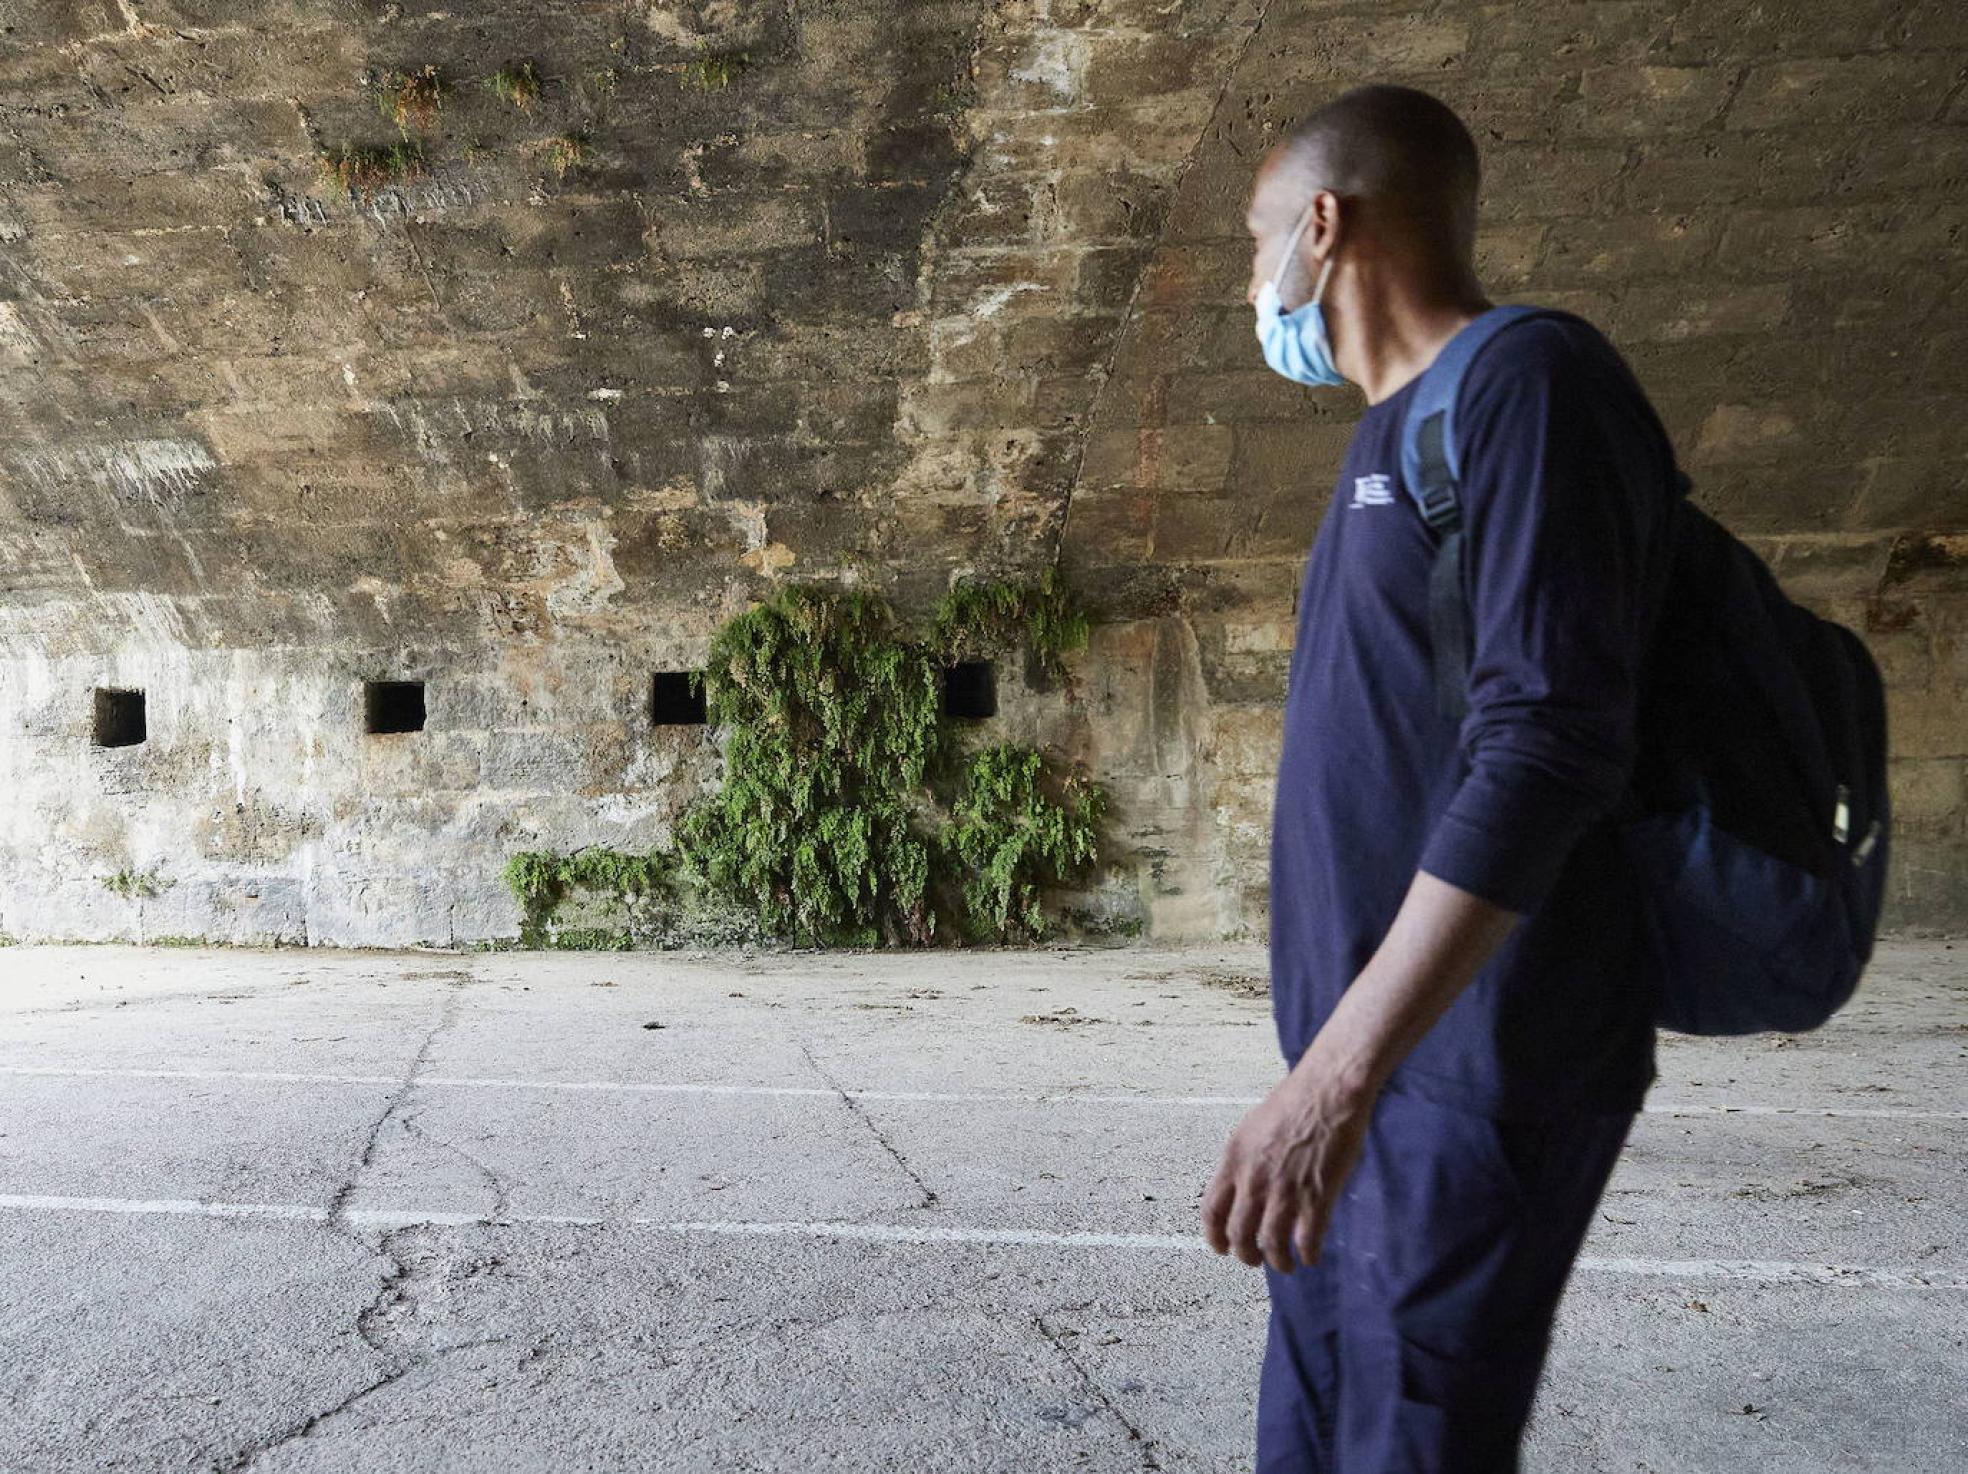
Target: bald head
[(1400, 153)]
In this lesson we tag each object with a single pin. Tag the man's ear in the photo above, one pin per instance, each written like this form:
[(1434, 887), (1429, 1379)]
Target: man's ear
[(1322, 236)]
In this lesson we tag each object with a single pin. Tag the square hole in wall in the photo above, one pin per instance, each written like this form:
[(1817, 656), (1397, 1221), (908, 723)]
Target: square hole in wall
[(672, 700), (970, 690), (393, 706), (119, 717)]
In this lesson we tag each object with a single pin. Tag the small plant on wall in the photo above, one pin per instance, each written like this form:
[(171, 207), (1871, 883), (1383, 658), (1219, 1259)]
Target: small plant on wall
[(136, 885), (715, 72), (517, 85), (413, 99), (848, 813), (566, 152), (355, 169), (417, 102)]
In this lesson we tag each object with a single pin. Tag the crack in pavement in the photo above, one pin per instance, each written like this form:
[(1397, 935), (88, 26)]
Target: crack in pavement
[(860, 1113), (447, 1016), (493, 1184), (1099, 1393), (379, 1324), (250, 1456)]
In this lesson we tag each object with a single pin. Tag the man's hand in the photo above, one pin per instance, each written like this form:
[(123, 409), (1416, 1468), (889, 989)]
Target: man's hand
[(1286, 1163), (1284, 1168)]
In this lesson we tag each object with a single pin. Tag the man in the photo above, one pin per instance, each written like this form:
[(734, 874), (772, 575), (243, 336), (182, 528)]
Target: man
[(1455, 975)]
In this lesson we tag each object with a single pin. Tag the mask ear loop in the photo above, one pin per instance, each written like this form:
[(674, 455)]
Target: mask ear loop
[(1291, 244), (1325, 271)]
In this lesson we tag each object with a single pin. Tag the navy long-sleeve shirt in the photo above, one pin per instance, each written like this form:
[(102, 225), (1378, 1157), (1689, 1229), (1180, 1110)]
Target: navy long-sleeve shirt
[(1567, 479)]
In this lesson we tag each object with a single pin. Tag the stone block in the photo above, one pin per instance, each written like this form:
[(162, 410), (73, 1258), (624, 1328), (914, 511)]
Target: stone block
[(1550, 181), (1384, 42), (536, 760), (1293, 461), (236, 910), (1854, 91), (1925, 721), (1623, 248), (1840, 238), (382, 909), (1236, 396), (980, 404), (1927, 886), (1110, 522), (1905, 655), (1780, 498), (1930, 798), (1824, 567), (729, 225), (1748, 28), (1675, 311), (1247, 739), (1648, 101), (1508, 255), (1735, 433), (1187, 458), (1723, 172), (1213, 272), (1052, 345), (1912, 490), (1110, 204)]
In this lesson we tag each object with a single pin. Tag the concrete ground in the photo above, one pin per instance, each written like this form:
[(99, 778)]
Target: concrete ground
[(367, 1212)]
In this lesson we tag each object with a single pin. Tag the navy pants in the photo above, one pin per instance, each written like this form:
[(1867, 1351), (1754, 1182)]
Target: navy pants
[(1414, 1345)]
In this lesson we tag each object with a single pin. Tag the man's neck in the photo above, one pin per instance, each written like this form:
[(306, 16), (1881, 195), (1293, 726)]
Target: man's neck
[(1404, 331)]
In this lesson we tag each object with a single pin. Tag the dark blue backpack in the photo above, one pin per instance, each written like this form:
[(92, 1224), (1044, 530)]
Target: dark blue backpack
[(1757, 815)]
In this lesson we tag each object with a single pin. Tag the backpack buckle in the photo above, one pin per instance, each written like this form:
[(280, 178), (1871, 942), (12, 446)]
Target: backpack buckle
[(1438, 505)]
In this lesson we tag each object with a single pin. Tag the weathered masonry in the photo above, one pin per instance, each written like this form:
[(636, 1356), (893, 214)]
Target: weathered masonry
[(397, 397)]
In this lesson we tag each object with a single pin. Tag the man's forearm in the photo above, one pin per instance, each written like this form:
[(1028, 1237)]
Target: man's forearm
[(1440, 938)]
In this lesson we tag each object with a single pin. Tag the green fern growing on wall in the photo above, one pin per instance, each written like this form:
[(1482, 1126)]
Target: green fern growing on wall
[(992, 618), (542, 882), (847, 815), (833, 727), (1015, 836)]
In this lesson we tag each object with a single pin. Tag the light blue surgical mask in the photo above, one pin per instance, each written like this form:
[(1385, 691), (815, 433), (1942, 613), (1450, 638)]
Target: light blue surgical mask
[(1296, 343)]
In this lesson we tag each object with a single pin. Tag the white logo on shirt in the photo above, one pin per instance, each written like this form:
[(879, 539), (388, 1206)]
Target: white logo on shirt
[(1376, 490)]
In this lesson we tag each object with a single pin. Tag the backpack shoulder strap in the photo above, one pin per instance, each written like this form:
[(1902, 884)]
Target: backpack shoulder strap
[(1430, 466), (1430, 470)]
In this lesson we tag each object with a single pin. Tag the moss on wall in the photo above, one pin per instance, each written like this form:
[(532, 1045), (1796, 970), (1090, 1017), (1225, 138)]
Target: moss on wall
[(135, 885)]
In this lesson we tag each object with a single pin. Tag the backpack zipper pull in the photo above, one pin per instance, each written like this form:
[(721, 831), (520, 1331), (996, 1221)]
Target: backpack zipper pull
[(1863, 850)]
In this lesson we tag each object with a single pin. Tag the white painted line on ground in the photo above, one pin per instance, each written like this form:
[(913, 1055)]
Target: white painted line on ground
[(1863, 1113), (929, 1097), (1769, 1272), (1757, 1271), (274, 1077), (140, 1206)]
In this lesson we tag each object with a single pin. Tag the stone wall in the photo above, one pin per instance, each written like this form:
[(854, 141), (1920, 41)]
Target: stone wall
[(886, 293)]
